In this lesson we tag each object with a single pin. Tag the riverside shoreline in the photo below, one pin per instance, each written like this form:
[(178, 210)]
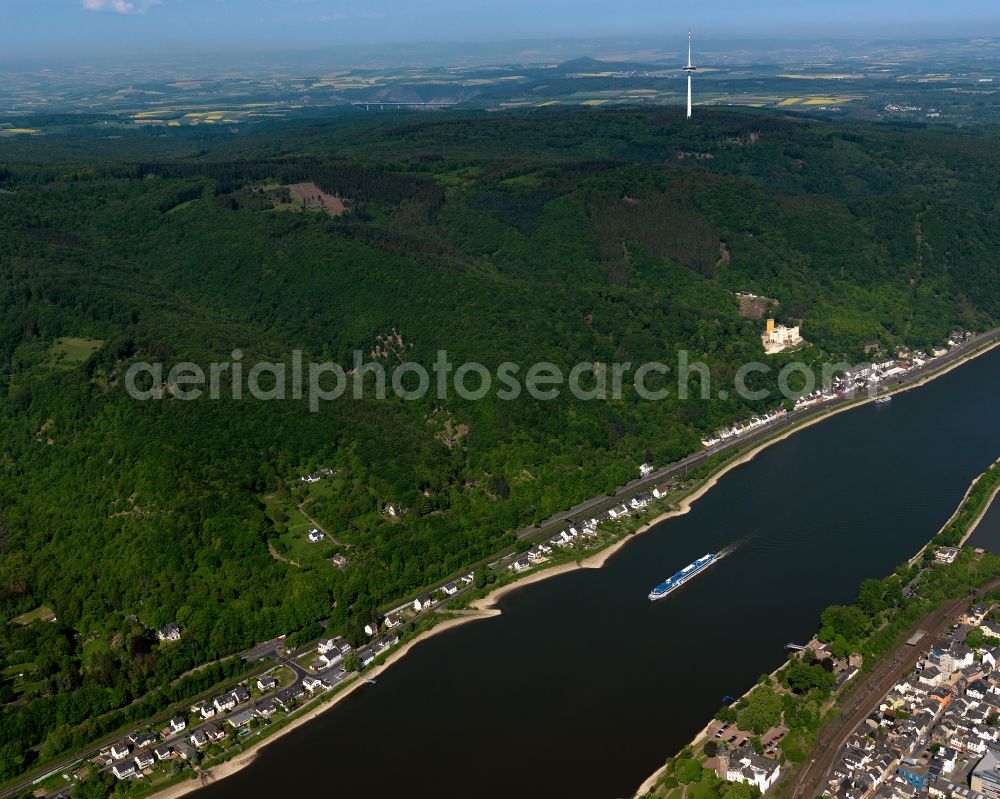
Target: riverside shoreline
[(486, 606), (246, 757), (650, 782)]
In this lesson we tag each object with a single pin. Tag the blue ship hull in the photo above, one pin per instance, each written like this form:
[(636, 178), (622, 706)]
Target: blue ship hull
[(685, 574)]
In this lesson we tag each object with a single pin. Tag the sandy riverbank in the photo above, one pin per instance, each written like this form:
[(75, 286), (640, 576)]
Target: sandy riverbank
[(485, 607), (246, 757)]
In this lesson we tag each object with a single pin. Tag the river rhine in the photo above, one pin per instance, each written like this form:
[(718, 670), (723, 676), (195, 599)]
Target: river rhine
[(582, 687)]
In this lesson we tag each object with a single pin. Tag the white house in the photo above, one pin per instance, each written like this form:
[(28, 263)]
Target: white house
[(265, 709), (199, 739), (331, 658), (930, 676), (327, 645), (991, 657), (991, 628), (224, 702), (311, 684), (144, 760), (123, 770), (169, 633), (145, 739), (745, 765), (315, 536), (371, 628), (422, 602), (213, 733), (164, 752), (645, 469), (120, 750), (266, 683), (391, 621), (178, 724)]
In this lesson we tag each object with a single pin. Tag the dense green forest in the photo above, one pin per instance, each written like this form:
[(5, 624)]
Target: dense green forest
[(580, 236)]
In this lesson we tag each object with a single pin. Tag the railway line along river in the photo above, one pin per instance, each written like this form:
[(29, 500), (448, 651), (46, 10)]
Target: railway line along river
[(583, 687)]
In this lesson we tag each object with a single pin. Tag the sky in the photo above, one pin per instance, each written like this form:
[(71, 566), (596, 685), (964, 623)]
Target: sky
[(54, 28)]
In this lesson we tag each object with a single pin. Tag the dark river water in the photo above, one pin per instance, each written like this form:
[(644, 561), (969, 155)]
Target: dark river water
[(987, 532), (582, 687)]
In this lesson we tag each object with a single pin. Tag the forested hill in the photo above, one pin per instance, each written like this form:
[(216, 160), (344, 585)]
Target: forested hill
[(544, 236)]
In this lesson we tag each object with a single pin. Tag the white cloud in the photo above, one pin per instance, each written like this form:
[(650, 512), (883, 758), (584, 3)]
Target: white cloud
[(120, 6)]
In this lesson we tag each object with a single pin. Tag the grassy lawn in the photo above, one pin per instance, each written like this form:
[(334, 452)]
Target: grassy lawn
[(325, 489), (706, 788), (294, 541), (95, 646), (16, 669), (286, 512), (53, 783), (284, 675), (33, 615), (306, 658), (300, 549), (68, 351)]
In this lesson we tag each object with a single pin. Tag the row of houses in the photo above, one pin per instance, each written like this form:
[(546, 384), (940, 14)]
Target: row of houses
[(864, 376), (211, 732), (738, 429), (331, 652), (144, 758), (532, 557), (580, 530), (134, 754), (426, 601), (142, 740), (928, 729), (384, 642), (223, 703)]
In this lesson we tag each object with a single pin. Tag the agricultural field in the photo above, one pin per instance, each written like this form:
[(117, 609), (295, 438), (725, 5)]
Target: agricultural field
[(939, 85)]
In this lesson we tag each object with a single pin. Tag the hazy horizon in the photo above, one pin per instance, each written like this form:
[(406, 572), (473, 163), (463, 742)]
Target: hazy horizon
[(62, 30)]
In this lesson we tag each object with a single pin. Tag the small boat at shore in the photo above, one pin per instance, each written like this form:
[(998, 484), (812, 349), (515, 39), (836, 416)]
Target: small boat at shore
[(883, 399)]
